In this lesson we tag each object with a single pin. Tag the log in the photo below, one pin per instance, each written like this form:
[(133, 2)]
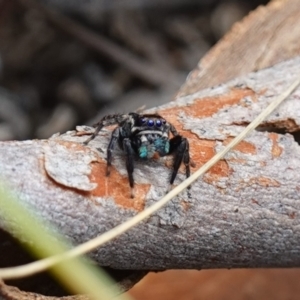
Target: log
[(242, 213)]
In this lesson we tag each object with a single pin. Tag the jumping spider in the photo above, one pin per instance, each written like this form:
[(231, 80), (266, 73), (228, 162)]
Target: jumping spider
[(144, 135)]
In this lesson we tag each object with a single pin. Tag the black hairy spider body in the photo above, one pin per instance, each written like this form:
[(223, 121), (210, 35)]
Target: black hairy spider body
[(144, 135)]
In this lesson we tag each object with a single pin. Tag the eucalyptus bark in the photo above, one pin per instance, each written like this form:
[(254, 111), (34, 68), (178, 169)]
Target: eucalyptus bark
[(242, 213)]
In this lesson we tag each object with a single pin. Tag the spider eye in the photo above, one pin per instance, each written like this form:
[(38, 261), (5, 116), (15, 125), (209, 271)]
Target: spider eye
[(164, 121), (158, 123), (150, 123), (142, 120)]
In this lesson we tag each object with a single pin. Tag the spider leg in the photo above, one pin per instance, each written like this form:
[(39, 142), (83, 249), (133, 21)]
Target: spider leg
[(180, 146), (187, 160), (173, 130), (95, 133), (114, 137), (106, 121), (129, 152)]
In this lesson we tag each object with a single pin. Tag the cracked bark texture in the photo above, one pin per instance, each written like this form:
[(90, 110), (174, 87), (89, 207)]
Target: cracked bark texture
[(242, 213)]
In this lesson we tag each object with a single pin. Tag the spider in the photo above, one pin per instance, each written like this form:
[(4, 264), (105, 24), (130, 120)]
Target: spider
[(143, 135)]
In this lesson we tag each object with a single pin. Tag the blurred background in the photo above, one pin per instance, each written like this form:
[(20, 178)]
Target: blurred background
[(86, 59), (99, 57)]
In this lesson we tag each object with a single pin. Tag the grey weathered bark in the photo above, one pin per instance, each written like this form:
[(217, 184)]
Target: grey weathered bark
[(242, 213)]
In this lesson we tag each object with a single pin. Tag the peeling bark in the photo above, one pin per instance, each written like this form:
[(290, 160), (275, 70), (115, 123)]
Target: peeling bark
[(242, 213)]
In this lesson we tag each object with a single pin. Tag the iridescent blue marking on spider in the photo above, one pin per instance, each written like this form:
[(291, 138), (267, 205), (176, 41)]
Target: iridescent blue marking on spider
[(162, 146), (143, 152), (167, 147), (146, 151)]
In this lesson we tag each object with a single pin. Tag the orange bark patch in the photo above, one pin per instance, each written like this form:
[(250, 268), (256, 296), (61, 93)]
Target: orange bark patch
[(203, 150), (243, 146), (292, 215), (117, 187), (262, 163), (72, 145), (265, 182), (221, 169), (206, 107), (237, 160), (276, 149), (185, 205)]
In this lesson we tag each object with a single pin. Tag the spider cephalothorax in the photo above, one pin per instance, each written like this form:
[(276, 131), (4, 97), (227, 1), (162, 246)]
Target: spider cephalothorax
[(143, 135)]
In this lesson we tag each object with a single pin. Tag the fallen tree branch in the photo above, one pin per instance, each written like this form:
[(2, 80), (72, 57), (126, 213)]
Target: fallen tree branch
[(243, 213), (108, 236)]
